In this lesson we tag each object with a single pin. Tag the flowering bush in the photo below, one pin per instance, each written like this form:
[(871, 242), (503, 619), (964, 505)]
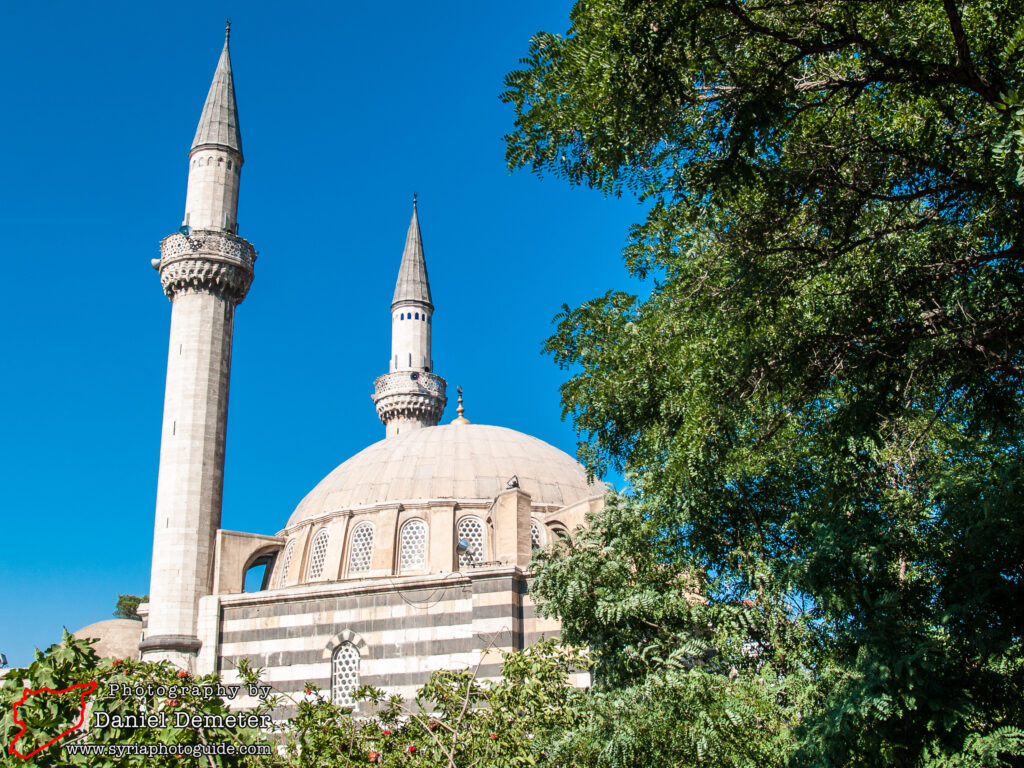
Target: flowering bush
[(455, 719)]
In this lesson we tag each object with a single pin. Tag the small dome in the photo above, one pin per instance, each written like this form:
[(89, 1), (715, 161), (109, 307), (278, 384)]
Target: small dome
[(453, 461), (115, 637)]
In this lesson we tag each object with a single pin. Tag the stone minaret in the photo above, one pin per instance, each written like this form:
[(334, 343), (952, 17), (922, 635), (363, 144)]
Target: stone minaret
[(410, 396), (206, 270)]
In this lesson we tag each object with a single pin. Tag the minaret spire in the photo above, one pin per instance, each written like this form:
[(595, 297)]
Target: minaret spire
[(218, 124), (412, 284), (411, 396)]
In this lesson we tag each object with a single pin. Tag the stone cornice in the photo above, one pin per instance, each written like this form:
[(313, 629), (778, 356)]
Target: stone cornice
[(411, 303), (180, 643), (221, 147), (206, 261), (390, 583)]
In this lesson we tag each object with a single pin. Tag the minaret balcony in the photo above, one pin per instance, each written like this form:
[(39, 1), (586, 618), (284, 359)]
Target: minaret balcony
[(409, 382), (206, 260), (214, 243), (410, 398)]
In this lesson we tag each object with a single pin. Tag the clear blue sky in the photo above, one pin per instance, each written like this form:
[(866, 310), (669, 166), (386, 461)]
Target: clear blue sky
[(346, 110)]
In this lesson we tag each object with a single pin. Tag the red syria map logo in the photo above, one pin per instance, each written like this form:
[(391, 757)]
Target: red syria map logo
[(86, 689)]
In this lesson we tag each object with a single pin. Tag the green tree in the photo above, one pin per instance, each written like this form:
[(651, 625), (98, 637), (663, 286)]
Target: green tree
[(681, 679), (128, 606), (819, 405)]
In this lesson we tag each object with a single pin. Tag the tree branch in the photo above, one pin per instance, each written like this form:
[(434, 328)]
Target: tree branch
[(963, 52)]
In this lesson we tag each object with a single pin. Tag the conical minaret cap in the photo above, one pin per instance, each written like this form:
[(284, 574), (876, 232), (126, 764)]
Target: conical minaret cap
[(412, 284), (218, 124)]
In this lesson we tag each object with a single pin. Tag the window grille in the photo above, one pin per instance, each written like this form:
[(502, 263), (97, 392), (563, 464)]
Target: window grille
[(361, 549), (471, 529), (536, 535), (413, 546), (319, 553), (286, 563), (344, 674)]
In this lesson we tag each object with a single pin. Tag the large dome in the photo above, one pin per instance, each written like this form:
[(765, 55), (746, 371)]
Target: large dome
[(453, 461)]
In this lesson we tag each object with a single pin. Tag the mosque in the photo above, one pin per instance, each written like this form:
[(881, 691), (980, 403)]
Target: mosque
[(410, 557)]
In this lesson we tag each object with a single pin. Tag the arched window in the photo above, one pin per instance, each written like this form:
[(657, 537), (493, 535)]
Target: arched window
[(258, 573), (318, 555), (417, 315), (536, 534), (471, 529), (413, 546), (402, 316), (344, 674), (288, 551), (361, 548)]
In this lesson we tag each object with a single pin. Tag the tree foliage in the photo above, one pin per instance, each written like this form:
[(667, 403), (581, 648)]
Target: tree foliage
[(455, 720), (128, 606), (819, 405), (689, 671), (73, 662)]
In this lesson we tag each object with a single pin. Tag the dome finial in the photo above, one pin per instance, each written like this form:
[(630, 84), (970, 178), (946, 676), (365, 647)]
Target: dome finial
[(460, 419), (227, 31)]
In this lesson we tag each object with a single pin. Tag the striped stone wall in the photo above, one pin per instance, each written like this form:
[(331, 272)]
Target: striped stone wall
[(403, 628)]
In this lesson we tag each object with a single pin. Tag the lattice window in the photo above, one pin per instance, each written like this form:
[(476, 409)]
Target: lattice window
[(344, 674), (318, 555), (413, 546), (361, 548), (536, 534), (471, 530), (286, 563)]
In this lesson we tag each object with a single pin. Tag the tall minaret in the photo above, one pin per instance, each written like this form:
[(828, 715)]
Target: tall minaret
[(410, 396), (206, 270)]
